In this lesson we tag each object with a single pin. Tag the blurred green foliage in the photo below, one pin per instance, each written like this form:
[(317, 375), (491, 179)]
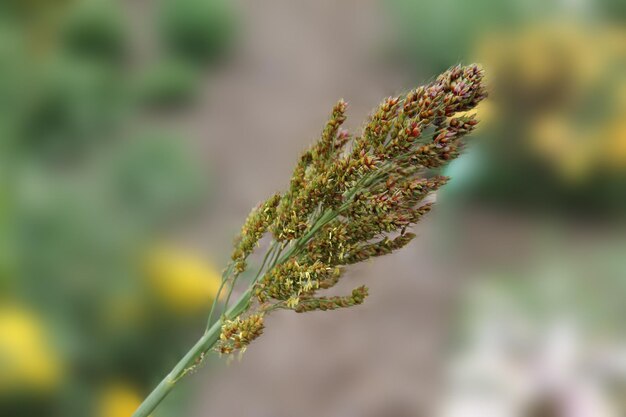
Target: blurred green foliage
[(86, 193), (439, 33), (196, 31), (96, 29), (75, 105), (172, 83)]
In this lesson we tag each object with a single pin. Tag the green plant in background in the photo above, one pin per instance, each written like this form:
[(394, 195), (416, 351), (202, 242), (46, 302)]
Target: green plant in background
[(171, 83), (96, 29), (350, 199), (85, 286), (196, 31), (192, 36), (462, 20)]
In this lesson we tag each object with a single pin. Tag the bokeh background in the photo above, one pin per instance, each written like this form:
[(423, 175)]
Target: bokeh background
[(136, 135)]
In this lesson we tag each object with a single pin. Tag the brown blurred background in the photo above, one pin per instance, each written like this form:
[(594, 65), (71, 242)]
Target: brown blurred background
[(138, 134)]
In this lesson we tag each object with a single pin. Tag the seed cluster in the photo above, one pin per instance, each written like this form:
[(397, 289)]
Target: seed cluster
[(238, 333), (353, 198), (253, 230), (332, 303)]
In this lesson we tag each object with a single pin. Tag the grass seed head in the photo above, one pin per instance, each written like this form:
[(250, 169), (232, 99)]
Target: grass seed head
[(352, 198)]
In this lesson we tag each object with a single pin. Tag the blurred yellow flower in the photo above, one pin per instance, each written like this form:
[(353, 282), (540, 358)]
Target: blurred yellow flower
[(541, 55), (27, 361), (183, 282), (563, 87), (118, 400), (616, 149), (554, 138)]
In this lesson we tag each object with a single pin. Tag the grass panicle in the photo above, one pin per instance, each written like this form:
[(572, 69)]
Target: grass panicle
[(351, 198)]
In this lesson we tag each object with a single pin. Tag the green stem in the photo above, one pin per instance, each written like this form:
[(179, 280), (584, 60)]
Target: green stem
[(267, 256), (225, 276), (206, 342)]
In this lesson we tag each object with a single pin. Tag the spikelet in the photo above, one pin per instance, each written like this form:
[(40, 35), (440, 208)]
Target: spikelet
[(290, 280), (333, 303), (253, 230), (238, 333)]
